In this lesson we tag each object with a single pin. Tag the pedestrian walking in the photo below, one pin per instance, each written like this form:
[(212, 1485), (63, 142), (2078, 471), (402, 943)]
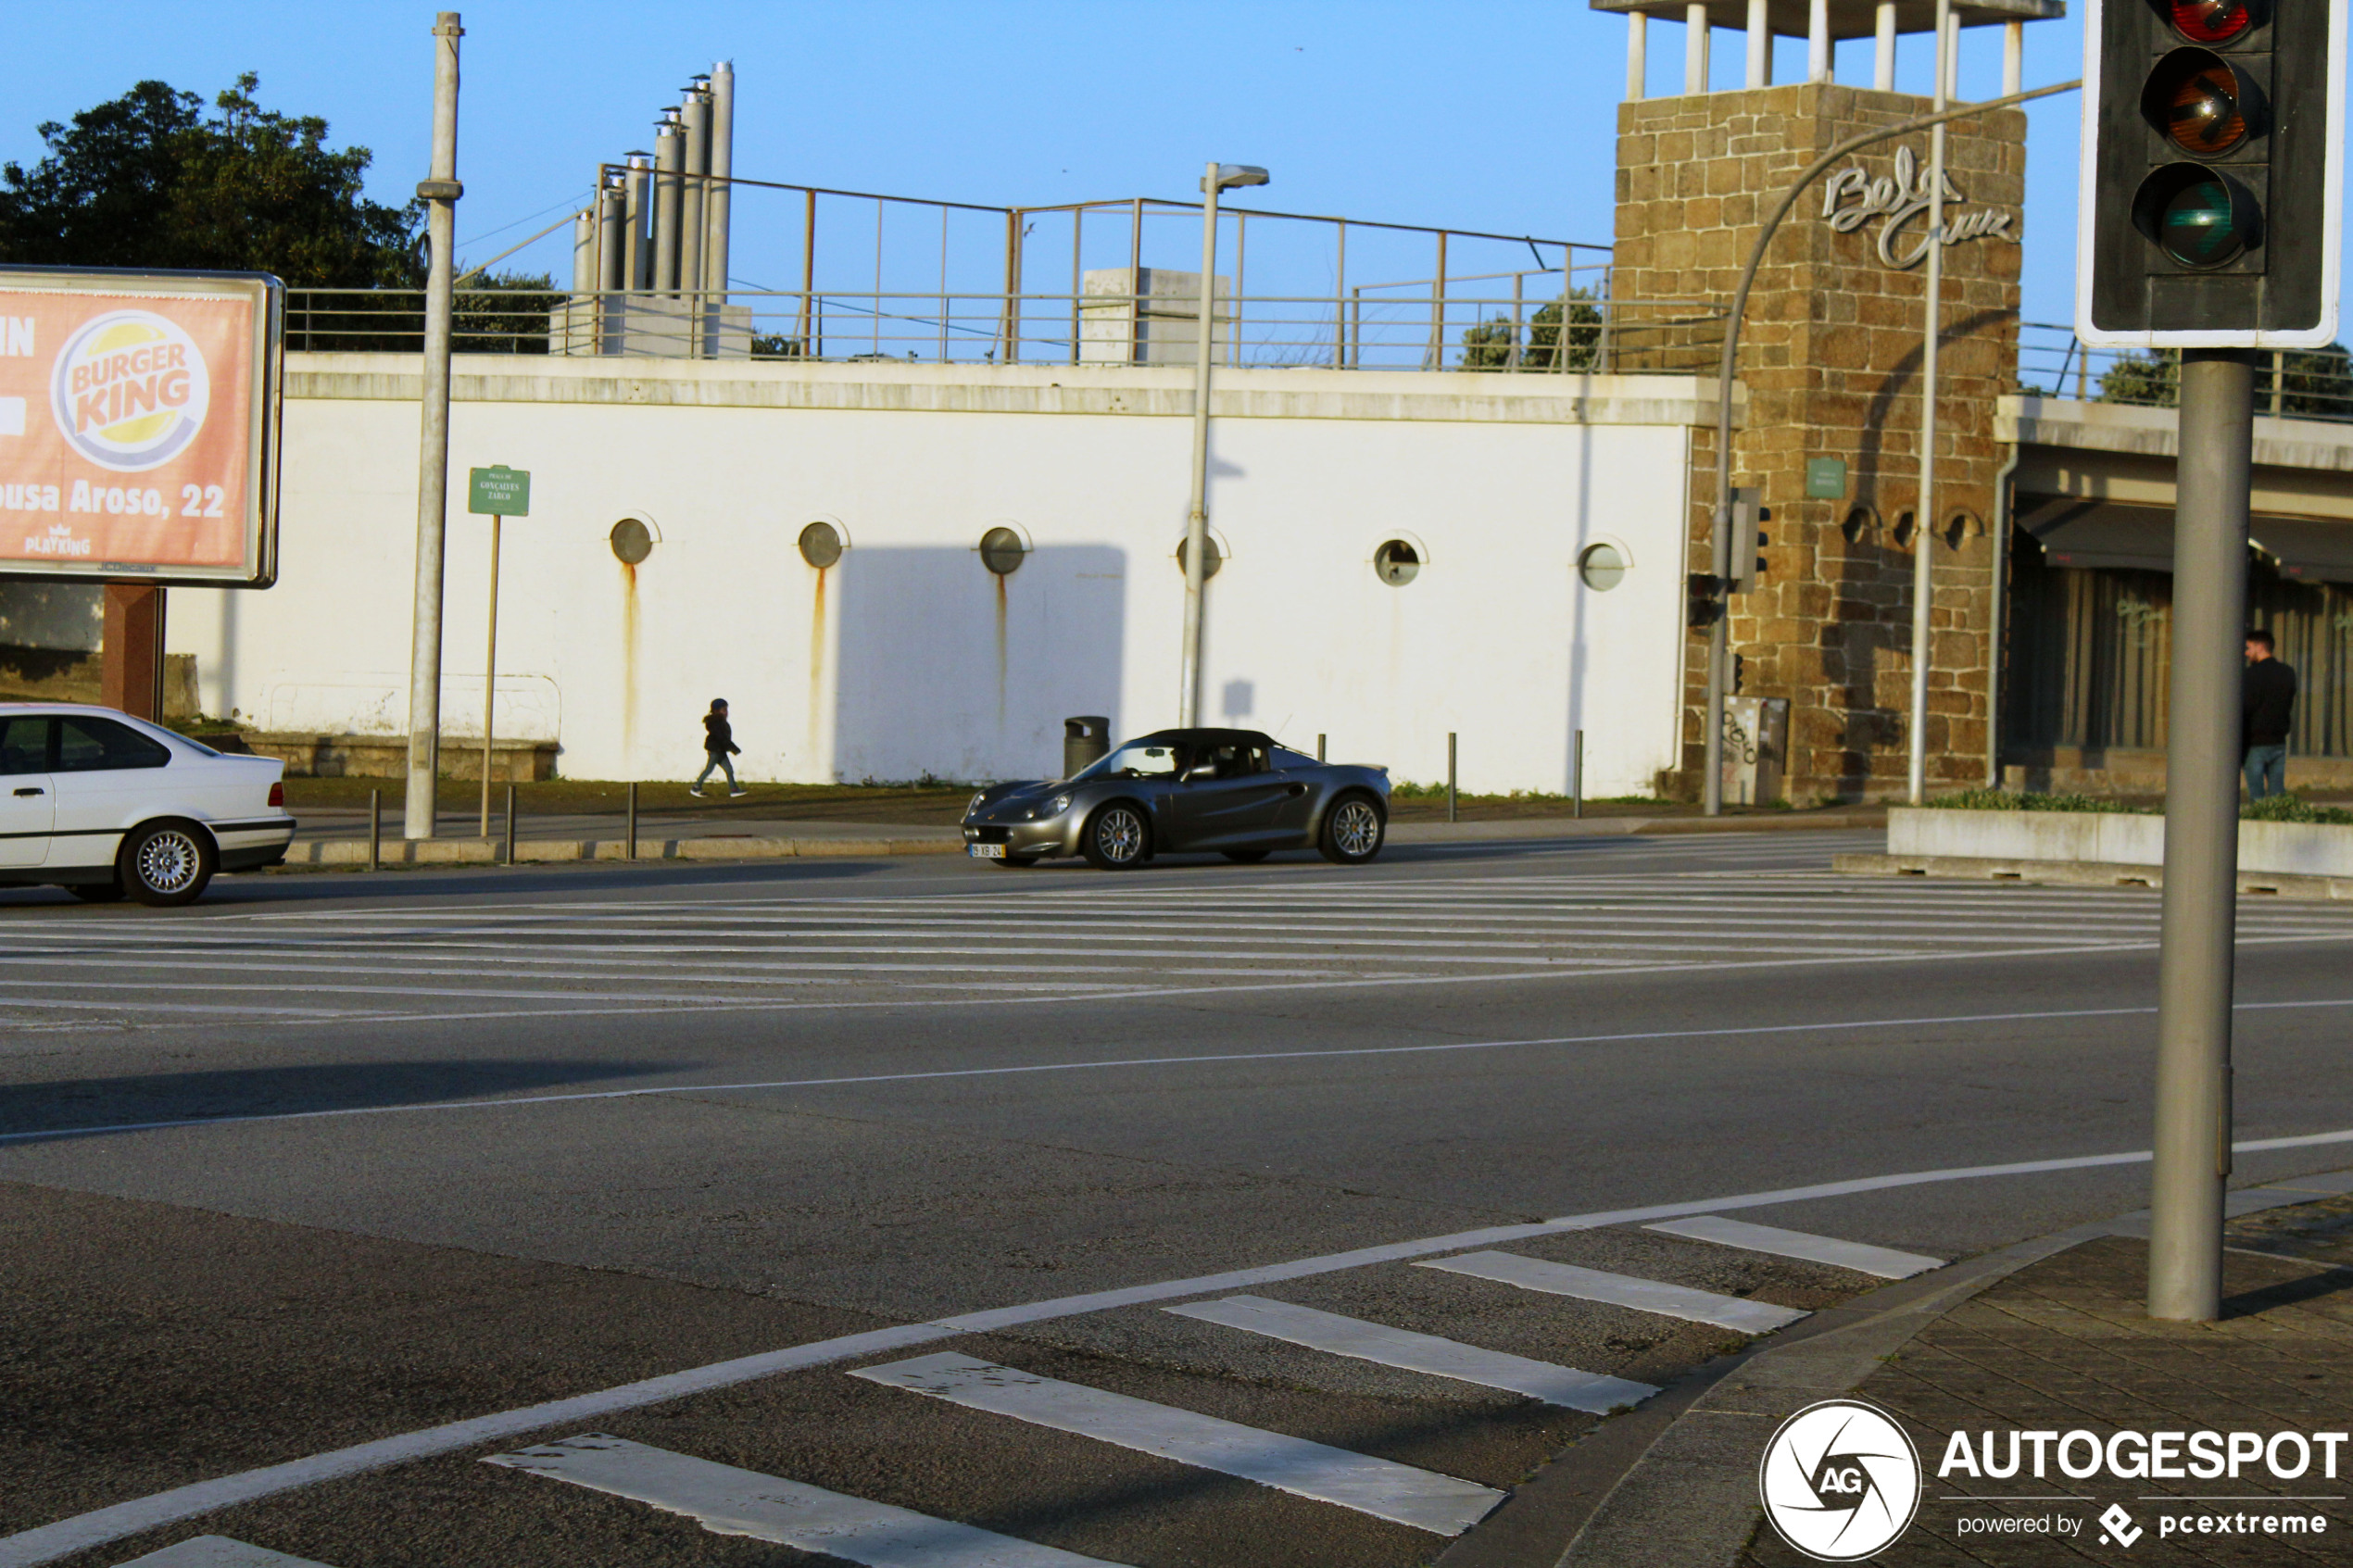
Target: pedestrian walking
[(719, 746), (2267, 709)]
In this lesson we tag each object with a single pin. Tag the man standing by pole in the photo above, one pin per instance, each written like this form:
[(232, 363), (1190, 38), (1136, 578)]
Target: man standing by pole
[(440, 193)]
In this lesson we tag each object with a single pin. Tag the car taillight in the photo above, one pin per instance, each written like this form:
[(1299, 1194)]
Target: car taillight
[(277, 795)]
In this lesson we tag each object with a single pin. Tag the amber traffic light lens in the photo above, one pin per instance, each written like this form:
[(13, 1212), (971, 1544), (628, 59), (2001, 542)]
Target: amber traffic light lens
[(2200, 226), (2210, 22), (2204, 116)]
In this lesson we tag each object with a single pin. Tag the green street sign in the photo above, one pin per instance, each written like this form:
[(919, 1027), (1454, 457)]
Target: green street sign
[(499, 491), (1825, 479)]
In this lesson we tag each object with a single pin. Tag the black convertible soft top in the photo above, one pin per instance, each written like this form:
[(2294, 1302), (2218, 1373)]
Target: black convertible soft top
[(1202, 738)]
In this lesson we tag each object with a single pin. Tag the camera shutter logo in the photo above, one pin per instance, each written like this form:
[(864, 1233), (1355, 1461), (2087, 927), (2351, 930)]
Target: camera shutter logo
[(130, 390), (1840, 1480)]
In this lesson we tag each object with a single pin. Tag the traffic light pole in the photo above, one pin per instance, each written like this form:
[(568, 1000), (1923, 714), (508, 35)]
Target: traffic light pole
[(2201, 836)]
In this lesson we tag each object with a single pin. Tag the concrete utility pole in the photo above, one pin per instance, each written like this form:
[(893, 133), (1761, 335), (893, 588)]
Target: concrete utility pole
[(1924, 513), (440, 192), (2201, 835), (1219, 177)]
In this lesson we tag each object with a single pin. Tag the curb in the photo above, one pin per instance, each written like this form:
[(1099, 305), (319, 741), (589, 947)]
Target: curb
[(2078, 873), (1690, 1496), (533, 851), (1620, 827)]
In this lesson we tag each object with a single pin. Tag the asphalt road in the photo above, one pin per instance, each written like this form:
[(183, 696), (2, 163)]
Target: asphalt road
[(338, 1159)]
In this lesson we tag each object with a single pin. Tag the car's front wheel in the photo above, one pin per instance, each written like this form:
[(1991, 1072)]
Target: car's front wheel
[(1117, 837), (1353, 830), (166, 863)]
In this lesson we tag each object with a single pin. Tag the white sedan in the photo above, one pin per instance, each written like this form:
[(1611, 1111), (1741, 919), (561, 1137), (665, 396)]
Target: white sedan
[(103, 805)]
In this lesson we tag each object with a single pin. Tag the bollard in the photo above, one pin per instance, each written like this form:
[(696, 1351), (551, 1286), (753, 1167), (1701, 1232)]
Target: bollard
[(375, 830), (1450, 776), (1319, 745), (1576, 780), (511, 824), (629, 834)]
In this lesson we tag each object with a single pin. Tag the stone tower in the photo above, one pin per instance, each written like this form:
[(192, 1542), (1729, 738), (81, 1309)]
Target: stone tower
[(1830, 357)]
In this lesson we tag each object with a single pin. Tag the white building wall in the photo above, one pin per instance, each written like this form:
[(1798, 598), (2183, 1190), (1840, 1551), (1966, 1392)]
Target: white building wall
[(908, 658)]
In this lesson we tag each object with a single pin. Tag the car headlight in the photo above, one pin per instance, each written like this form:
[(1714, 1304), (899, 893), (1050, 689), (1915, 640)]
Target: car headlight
[(1061, 803), (976, 805)]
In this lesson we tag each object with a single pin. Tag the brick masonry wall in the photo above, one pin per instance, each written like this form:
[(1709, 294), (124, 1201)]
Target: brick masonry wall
[(1830, 356)]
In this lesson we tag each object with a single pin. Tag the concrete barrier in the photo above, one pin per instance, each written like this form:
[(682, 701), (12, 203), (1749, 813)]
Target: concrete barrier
[(2107, 838)]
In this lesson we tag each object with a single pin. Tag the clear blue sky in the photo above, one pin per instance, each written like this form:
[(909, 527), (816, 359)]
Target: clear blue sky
[(1492, 114)]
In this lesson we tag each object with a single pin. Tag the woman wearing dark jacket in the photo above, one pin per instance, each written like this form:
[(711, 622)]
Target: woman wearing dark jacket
[(719, 746)]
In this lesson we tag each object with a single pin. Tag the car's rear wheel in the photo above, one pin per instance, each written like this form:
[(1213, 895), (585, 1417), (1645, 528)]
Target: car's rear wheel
[(1245, 856), (166, 863), (97, 892), (1117, 837), (1353, 830)]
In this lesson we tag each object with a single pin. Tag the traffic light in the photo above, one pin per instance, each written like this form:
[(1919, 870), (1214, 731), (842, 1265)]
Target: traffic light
[(2208, 214)]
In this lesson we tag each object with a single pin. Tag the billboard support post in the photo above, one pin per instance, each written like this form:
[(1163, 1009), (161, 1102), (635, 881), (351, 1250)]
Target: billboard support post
[(440, 193), (131, 650), (501, 492)]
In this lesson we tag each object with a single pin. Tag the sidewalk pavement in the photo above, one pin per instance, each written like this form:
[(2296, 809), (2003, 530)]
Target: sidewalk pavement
[(2049, 1337), (338, 837)]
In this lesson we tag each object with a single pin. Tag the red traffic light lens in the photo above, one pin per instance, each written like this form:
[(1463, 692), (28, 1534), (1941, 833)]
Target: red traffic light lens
[(2210, 21), (2204, 116)]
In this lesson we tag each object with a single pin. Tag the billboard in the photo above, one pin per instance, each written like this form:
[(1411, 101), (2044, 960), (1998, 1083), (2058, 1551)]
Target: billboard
[(139, 425)]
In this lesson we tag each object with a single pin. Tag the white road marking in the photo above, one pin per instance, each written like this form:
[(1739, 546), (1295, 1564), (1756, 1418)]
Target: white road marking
[(1620, 1290), (1209, 1059), (1399, 1493), (1420, 1352), (47, 1543), (728, 1502), (219, 1551), (1884, 1261)]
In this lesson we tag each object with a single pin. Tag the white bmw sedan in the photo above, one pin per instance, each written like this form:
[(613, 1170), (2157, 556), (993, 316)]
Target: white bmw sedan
[(105, 805)]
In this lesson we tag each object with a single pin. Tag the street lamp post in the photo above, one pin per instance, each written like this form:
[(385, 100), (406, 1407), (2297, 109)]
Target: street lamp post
[(1220, 177)]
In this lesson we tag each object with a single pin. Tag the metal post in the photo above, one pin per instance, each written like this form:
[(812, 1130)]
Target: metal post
[(440, 192), (695, 115), (2201, 837), (1339, 302), (1196, 516), (1695, 42), (2279, 381), (1576, 779), (1884, 53), (1450, 776), (717, 206), (1817, 40), (1720, 631), (637, 258), (1760, 46), (629, 834), (375, 830), (809, 277), (1434, 357), (1319, 745), (490, 675), (1637, 52), (511, 824), (670, 157), (1924, 513), (1078, 287)]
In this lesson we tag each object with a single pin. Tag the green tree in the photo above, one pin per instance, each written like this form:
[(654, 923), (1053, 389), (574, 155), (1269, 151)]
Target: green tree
[(2314, 383), (1488, 345), (148, 180), (2143, 378)]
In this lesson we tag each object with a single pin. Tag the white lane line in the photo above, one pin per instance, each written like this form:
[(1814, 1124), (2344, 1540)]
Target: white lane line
[(241, 1008), (47, 1543), (1884, 1261), (728, 1502), (1379, 1343), (219, 1551), (1620, 1290), (1384, 1488), (1015, 1070)]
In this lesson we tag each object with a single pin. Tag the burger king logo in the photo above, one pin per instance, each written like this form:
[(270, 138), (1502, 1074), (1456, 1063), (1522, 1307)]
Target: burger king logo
[(130, 390)]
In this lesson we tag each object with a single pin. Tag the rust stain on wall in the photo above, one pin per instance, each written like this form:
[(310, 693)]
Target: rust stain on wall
[(628, 658), (816, 663)]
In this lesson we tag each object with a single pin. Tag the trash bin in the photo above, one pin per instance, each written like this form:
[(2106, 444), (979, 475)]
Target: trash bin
[(1086, 739)]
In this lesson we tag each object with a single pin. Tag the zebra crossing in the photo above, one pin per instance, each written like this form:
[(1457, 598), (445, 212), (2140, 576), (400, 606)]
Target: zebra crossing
[(1110, 937), (821, 1519)]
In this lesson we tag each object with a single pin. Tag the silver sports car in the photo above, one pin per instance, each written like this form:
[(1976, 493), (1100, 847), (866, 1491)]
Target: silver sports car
[(1232, 791)]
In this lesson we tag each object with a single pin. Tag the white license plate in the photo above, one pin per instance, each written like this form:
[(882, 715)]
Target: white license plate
[(986, 851)]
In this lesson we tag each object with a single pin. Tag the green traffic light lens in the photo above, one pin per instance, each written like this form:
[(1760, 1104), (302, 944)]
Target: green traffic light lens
[(2199, 225)]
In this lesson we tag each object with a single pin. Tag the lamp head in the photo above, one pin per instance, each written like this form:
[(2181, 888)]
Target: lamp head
[(1230, 175)]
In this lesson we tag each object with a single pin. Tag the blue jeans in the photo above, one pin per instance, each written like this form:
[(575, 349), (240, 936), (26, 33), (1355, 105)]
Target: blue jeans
[(716, 760), (2266, 770)]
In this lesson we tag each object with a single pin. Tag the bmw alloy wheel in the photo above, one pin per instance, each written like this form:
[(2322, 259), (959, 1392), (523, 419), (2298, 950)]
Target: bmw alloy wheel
[(168, 863)]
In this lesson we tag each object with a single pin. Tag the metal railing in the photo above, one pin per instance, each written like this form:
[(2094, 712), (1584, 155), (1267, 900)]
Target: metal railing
[(1375, 327), (2298, 383)]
